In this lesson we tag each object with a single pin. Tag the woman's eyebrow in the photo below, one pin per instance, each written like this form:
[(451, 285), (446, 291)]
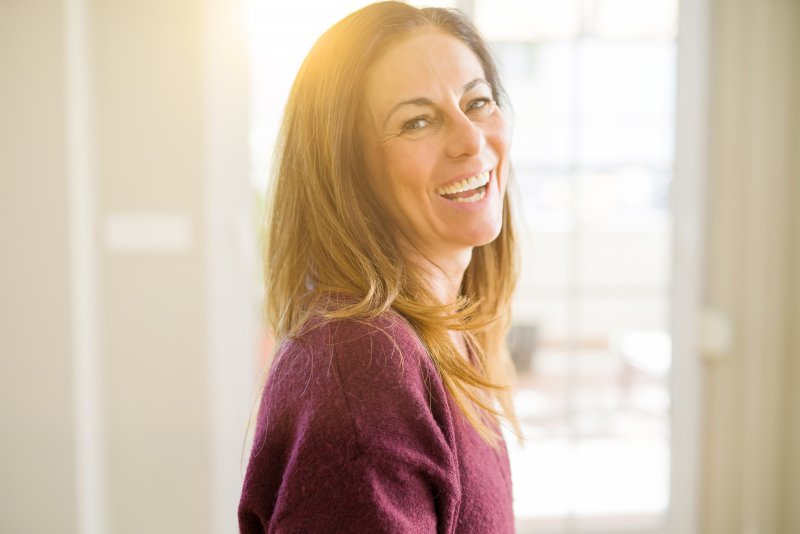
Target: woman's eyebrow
[(413, 102), (473, 83), (421, 101)]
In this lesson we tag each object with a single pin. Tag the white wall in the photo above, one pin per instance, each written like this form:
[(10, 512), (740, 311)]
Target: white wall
[(148, 80), (37, 466), (129, 312)]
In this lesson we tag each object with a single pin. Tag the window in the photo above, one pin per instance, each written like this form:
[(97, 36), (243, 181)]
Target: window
[(592, 85)]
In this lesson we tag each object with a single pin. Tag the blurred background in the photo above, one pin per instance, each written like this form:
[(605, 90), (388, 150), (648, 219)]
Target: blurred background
[(657, 323)]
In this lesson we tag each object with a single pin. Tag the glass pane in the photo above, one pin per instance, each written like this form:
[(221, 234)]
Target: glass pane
[(626, 102), (534, 192), (626, 262), (624, 479), (624, 193), (538, 81), (625, 239), (512, 20), (633, 18), (544, 312), (595, 413), (544, 492), (433, 3), (545, 261), (602, 316), (620, 455)]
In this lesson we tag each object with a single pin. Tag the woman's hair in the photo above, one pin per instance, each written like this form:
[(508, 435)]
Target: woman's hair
[(330, 250)]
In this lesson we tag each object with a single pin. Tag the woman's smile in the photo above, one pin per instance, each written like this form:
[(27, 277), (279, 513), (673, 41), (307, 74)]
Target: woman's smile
[(467, 193)]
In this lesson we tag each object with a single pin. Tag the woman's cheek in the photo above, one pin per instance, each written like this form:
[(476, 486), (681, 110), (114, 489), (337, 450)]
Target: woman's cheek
[(411, 168), (500, 130)]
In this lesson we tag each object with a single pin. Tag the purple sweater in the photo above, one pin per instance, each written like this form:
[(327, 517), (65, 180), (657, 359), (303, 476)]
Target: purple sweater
[(357, 433)]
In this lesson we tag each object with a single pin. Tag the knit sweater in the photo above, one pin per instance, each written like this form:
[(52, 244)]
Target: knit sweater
[(357, 433)]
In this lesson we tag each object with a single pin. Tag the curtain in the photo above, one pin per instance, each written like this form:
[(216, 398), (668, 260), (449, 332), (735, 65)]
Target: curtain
[(750, 467)]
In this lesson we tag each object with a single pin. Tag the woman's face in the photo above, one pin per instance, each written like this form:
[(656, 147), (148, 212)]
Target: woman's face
[(436, 143)]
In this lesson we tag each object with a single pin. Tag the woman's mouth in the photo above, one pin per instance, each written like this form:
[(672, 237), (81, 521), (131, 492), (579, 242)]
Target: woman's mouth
[(468, 190)]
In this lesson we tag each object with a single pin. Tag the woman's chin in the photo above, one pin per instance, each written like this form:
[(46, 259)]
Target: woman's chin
[(482, 236)]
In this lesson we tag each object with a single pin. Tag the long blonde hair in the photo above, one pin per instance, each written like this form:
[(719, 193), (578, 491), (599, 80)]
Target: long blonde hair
[(325, 235)]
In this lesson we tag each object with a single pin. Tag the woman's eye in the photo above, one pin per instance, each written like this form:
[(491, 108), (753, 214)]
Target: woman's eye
[(479, 103), (415, 124)]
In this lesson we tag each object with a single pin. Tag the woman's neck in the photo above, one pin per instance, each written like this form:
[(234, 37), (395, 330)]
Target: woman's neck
[(444, 274)]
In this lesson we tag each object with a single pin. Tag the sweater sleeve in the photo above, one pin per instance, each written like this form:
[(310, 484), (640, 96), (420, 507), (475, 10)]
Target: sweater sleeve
[(369, 495), (354, 435)]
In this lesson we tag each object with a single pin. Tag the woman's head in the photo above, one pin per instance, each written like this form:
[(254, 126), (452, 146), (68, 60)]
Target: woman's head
[(435, 144)]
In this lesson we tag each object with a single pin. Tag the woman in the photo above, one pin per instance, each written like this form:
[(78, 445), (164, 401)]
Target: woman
[(390, 263)]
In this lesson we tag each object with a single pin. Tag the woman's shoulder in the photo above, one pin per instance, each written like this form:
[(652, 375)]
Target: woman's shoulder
[(368, 374), (389, 322), (352, 343)]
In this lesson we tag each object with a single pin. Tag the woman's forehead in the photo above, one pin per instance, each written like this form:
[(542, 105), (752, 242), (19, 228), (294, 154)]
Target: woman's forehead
[(424, 64)]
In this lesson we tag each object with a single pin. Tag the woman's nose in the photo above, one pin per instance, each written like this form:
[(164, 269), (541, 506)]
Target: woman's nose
[(464, 137)]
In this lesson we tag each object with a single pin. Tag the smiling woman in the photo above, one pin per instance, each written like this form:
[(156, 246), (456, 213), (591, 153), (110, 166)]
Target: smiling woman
[(389, 266), (437, 161)]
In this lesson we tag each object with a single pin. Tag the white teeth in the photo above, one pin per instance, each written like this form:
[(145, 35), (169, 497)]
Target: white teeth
[(465, 185), (474, 198)]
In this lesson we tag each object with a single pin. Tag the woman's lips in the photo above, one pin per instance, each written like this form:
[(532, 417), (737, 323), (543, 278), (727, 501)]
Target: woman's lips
[(470, 189), (471, 198)]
